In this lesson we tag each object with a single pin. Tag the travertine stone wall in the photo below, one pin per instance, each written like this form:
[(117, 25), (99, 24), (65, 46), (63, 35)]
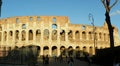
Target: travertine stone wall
[(51, 33)]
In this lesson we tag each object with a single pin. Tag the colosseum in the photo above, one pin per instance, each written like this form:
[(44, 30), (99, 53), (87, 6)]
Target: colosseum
[(53, 34)]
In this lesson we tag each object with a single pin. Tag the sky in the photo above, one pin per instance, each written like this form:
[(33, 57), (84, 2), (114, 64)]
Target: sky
[(77, 10)]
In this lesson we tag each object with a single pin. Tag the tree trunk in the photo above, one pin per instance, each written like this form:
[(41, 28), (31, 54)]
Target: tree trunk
[(110, 28)]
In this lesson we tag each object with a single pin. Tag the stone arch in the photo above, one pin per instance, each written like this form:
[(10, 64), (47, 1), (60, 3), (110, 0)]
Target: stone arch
[(0, 36), (100, 35), (77, 48), (38, 18), (83, 35), (17, 20), (23, 35), (10, 35), (104, 36), (30, 18), (54, 26), (62, 50), (16, 35), (23, 26), (46, 34), (70, 35), (91, 50), (45, 50), (54, 35), (90, 35), (30, 35), (77, 35), (84, 49), (54, 51), (5, 35), (96, 37), (54, 19), (62, 35), (38, 35), (0, 27), (70, 51)]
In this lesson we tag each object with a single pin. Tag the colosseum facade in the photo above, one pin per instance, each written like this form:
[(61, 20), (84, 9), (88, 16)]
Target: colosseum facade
[(53, 34)]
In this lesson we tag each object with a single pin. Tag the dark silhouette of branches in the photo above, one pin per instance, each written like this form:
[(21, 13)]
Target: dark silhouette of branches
[(108, 7)]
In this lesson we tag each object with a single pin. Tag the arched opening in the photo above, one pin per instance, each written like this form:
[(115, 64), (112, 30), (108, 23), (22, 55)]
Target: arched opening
[(23, 26), (17, 20), (70, 51), (77, 48), (54, 26), (54, 35), (38, 18), (5, 36), (10, 35), (46, 34), (0, 36), (83, 35), (70, 35), (46, 50), (100, 36), (62, 35), (84, 49), (77, 35), (54, 51), (31, 18), (54, 19), (0, 27), (104, 36), (91, 50), (38, 35), (90, 36), (30, 35), (16, 35), (23, 35), (62, 50)]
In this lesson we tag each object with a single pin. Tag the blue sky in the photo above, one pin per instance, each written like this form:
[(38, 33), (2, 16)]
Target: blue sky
[(76, 10)]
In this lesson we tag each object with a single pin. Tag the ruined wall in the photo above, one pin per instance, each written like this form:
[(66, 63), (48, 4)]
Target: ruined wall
[(52, 32)]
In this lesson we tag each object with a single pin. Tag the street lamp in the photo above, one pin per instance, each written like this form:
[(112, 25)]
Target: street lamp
[(92, 22)]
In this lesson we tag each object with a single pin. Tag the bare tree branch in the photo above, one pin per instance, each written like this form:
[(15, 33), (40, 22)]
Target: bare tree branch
[(113, 4), (105, 5)]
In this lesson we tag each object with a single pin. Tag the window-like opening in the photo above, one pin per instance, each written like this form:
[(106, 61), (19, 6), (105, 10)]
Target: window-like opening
[(17, 35), (62, 35), (17, 20), (54, 51), (0, 36), (70, 35), (54, 26), (31, 18), (46, 50), (23, 35), (90, 50), (83, 27), (38, 34), (90, 35), (23, 26), (77, 35), (0, 28), (30, 35), (83, 35), (100, 36), (11, 33), (54, 35), (38, 18), (46, 34), (54, 19), (84, 49), (5, 36)]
